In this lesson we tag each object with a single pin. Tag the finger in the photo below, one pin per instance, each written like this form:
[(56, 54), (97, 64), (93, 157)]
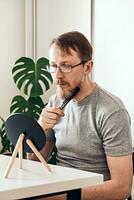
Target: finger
[(47, 127), (54, 110), (49, 121), (53, 116)]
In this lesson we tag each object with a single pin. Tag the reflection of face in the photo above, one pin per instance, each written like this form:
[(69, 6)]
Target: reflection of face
[(65, 82)]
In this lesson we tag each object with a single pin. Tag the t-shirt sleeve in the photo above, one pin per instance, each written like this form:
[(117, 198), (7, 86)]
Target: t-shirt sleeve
[(116, 133)]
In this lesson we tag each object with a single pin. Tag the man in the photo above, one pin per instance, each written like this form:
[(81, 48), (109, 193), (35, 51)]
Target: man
[(92, 132)]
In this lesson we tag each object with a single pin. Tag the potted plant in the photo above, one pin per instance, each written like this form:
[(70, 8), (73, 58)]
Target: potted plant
[(5, 144), (32, 79)]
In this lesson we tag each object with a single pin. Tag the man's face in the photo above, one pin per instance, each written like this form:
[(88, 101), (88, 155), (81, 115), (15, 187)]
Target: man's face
[(65, 82)]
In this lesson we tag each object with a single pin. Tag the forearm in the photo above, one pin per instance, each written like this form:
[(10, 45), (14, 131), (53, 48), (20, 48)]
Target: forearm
[(109, 190), (45, 152)]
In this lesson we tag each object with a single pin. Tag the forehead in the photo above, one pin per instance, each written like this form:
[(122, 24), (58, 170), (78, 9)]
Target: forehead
[(56, 52)]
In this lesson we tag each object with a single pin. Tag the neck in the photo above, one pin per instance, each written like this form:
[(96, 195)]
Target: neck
[(85, 90)]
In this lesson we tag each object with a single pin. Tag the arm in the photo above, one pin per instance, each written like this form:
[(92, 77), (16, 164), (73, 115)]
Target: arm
[(119, 187), (48, 118), (45, 152)]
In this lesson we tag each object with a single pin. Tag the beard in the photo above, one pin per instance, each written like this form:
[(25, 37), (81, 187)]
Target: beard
[(59, 92), (63, 88), (62, 91)]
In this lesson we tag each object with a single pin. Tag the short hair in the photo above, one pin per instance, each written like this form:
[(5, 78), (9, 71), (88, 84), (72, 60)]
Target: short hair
[(76, 41)]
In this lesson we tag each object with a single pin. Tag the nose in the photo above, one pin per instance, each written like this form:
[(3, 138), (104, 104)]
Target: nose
[(58, 73)]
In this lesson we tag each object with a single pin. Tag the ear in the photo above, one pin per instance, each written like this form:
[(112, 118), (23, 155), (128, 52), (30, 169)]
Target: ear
[(88, 66)]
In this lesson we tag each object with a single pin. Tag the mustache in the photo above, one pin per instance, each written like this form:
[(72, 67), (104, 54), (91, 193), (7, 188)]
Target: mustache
[(60, 82)]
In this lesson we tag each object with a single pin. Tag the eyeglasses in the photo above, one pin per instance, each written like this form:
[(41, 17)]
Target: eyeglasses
[(64, 68)]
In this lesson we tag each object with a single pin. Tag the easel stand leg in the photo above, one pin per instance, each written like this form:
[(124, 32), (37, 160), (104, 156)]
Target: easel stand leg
[(17, 147), (21, 155), (38, 154)]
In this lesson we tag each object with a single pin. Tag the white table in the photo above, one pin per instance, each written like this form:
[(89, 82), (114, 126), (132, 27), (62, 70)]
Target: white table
[(35, 180)]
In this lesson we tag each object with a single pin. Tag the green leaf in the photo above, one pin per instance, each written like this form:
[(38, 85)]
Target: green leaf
[(32, 107), (52, 159), (6, 144), (18, 104), (30, 77), (35, 106)]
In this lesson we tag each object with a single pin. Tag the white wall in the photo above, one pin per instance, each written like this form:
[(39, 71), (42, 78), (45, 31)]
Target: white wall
[(18, 23), (11, 47), (57, 17), (113, 40), (114, 49), (27, 24)]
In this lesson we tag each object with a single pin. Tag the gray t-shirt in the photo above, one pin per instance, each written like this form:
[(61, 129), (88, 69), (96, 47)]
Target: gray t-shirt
[(97, 126)]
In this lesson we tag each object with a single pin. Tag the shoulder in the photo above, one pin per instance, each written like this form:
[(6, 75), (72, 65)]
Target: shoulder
[(109, 103), (111, 110), (107, 98)]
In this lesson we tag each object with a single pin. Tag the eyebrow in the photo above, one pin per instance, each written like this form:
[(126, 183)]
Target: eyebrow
[(64, 62)]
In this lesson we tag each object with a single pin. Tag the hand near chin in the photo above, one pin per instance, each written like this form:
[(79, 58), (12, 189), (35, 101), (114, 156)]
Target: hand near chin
[(49, 117)]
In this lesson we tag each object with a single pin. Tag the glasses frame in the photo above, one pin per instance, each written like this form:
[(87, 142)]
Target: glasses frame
[(71, 67)]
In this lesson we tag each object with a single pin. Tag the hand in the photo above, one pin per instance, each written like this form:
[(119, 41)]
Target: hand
[(49, 117)]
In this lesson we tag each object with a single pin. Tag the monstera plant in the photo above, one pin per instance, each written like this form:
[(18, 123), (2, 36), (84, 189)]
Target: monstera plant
[(32, 79), (5, 144)]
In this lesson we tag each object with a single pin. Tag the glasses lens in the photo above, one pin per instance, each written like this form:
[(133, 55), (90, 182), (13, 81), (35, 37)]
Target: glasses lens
[(52, 69), (65, 68)]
